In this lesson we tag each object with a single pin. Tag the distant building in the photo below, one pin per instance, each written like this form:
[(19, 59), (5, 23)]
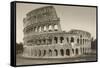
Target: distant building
[(44, 38)]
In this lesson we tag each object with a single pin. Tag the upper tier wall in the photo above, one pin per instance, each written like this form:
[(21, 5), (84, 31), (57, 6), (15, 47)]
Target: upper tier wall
[(47, 13)]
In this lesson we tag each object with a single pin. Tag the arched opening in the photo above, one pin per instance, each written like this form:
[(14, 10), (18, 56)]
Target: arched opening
[(80, 36), (62, 52), (56, 39), (72, 39), (56, 52), (49, 41), (81, 41), (39, 29), (35, 29), (44, 41), (50, 52), (50, 27), (44, 28), (39, 42), (67, 52), (81, 50), (44, 53), (76, 51), (68, 40), (61, 39), (55, 27), (78, 41)]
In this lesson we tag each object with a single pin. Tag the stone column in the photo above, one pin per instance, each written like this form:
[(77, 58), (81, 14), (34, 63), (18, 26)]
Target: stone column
[(52, 27), (53, 40), (42, 42), (59, 53), (58, 40), (75, 40), (37, 29), (41, 28), (72, 52), (64, 52), (69, 39), (47, 27), (64, 41), (46, 41), (79, 51)]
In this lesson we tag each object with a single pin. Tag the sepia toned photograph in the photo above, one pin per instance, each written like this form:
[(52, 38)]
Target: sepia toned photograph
[(54, 33)]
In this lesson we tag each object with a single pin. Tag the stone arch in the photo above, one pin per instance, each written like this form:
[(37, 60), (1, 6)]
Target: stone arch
[(72, 39), (44, 28), (81, 50), (77, 51), (40, 29), (50, 27), (56, 39), (78, 40), (39, 42), (56, 52), (49, 41), (67, 39), (62, 52), (81, 41), (44, 53), (50, 52), (44, 41), (35, 29), (61, 39), (68, 52), (55, 26)]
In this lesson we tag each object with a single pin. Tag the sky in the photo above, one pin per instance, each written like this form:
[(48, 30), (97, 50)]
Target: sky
[(71, 17)]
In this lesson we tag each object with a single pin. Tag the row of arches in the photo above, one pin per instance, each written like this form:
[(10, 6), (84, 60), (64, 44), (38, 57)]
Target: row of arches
[(52, 52), (41, 28), (56, 40), (85, 50), (71, 40), (45, 28)]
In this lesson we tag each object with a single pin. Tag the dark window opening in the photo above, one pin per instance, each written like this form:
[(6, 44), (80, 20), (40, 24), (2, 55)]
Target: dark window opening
[(56, 39), (62, 52), (72, 39), (61, 39), (68, 52), (56, 52)]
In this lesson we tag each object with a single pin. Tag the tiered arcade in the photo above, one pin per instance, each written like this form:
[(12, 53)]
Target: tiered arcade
[(44, 38)]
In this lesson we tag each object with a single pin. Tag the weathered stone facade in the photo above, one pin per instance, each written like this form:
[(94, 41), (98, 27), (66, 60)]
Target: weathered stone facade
[(44, 38)]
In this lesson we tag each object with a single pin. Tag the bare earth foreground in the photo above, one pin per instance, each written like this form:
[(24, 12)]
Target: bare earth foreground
[(29, 61)]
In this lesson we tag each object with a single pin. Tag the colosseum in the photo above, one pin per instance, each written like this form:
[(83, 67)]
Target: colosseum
[(44, 38)]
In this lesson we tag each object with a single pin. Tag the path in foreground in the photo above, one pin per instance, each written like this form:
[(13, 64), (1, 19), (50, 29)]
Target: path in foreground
[(26, 61)]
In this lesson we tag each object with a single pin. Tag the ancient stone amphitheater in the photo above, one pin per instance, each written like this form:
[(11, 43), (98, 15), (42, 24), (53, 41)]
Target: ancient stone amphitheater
[(44, 38)]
